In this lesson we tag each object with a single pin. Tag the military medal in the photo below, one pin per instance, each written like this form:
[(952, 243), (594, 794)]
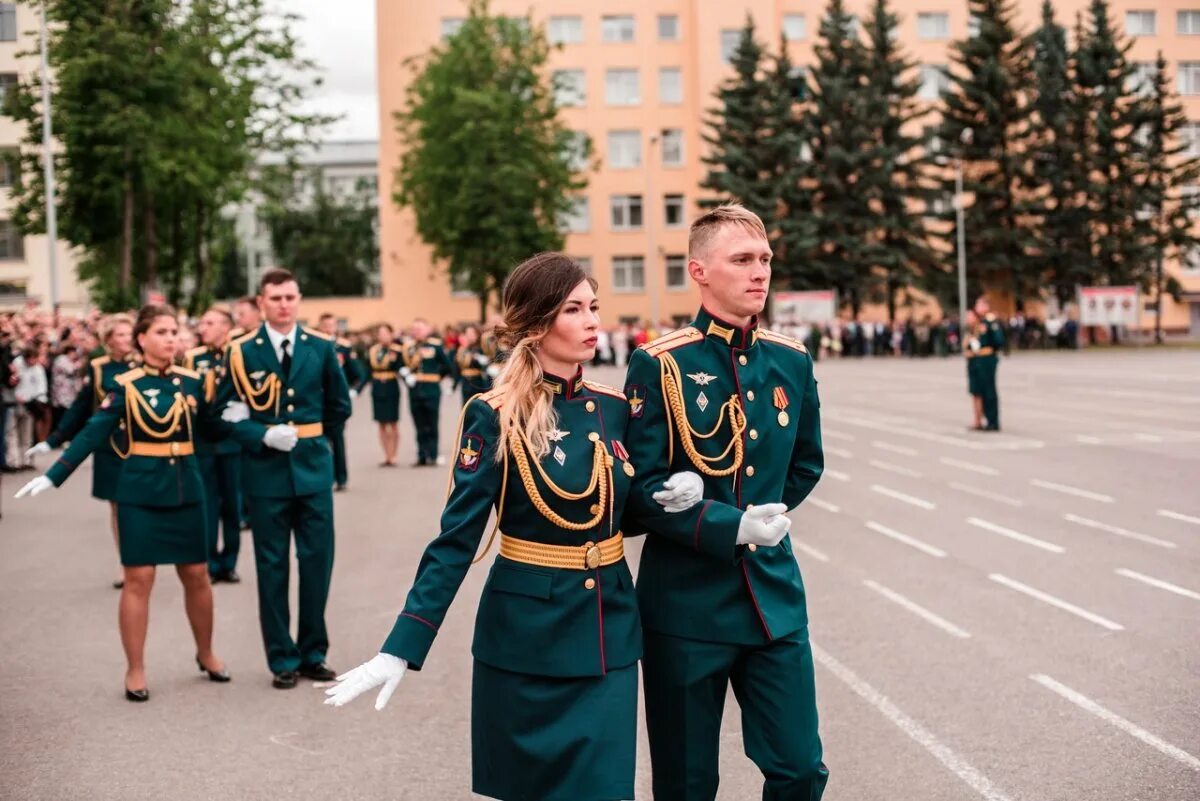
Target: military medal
[(781, 403), (622, 454)]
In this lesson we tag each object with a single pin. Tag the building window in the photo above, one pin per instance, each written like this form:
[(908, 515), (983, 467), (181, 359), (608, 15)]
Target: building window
[(1191, 139), (576, 151), (673, 211), (676, 272), (629, 274), (672, 147), (10, 167), (1141, 78), (616, 29), (624, 149), (972, 26), (577, 218), (621, 87), (451, 26), (8, 22), (933, 26), (934, 81), (1187, 23), (1189, 197), (8, 82), (565, 30), (1189, 77), (1191, 259), (668, 28), (625, 212), (570, 88), (795, 27), (730, 39), (12, 244), (933, 142), (1140, 23), (670, 86)]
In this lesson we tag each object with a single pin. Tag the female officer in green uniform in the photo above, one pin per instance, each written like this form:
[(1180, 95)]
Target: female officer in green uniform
[(385, 358), (159, 409), (557, 634), (472, 367)]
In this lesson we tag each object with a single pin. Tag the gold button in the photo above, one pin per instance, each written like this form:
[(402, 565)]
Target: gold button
[(291, 408), (593, 436), (171, 461), (742, 359), (121, 425), (750, 470), (291, 422), (291, 392), (176, 381), (258, 342), (304, 337), (754, 433), (591, 406), (590, 584), (750, 394), (752, 547)]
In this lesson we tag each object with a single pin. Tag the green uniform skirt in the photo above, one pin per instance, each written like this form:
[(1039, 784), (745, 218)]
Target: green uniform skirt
[(974, 377), (106, 473), (385, 401), (541, 738), (162, 535)]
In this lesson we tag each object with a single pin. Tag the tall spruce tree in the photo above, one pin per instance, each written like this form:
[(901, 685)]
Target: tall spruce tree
[(988, 78), (839, 134)]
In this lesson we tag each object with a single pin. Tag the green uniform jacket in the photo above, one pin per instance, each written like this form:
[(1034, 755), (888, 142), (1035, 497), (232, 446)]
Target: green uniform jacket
[(427, 360), (700, 584), (470, 369), (100, 381), (211, 367), (534, 620), (352, 366), (141, 396), (314, 392)]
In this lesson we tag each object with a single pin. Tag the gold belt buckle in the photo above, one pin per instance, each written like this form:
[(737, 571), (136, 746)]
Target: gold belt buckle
[(591, 556), (174, 448)]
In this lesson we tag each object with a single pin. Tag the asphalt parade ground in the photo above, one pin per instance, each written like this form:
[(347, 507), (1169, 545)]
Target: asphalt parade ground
[(1011, 617)]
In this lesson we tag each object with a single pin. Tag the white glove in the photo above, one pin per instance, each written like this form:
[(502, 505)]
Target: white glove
[(353, 393), (35, 487), (680, 492), (383, 669), (410, 379), (481, 360), (493, 370), (764, 525), (281, 438), (40, 448), (235, 412)]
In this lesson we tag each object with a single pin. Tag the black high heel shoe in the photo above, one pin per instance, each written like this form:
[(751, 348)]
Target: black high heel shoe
[(137, 696), (219, 676)]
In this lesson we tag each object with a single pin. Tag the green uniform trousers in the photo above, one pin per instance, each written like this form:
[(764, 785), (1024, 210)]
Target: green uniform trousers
[(425, 410), (273, 520), (991, 398), (685, 686), (337, 443), (222, 474)]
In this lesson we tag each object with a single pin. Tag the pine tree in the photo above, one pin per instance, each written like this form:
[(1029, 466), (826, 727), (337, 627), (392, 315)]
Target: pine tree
[(985, 120)]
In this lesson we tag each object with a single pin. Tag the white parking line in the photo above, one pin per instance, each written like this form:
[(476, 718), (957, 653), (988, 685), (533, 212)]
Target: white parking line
[(887, 446), (1120, 532), (820, 504), (1178, 516), (820, 556), (1147, 437), (926, 739), (1121, 723), (1015, 535), (974, 468), (911, 542), (841, 453), (1061, 604), (1153, 582), (1076, 491), (894, 468), (1088, 439), (917, 609), (900, 496), (994, 496), (825, 432), (838, 474)]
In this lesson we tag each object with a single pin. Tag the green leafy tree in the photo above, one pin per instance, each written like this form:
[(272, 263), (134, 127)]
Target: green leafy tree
[(487, 164)]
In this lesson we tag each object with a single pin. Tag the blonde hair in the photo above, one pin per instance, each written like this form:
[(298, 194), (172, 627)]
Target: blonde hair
[(110, 323), (707, 225), (533, 295)]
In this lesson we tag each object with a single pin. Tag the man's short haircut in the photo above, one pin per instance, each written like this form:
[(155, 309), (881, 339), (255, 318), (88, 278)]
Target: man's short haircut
[(325, 316), (224, 312), (706, 226), (274, 277), (247, 300)]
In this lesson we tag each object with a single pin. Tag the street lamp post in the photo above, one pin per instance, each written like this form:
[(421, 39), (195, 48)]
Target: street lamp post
[(48, 170), (960, 215), (651, 269)]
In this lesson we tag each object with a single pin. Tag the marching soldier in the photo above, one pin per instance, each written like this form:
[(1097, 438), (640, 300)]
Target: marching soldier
[(283, 388), (355, 378), (246, 317), (385, 359), (159, 410), (221, 461), (116, 334), (426, 364), (739, 405), (472, 366), (985, 361)]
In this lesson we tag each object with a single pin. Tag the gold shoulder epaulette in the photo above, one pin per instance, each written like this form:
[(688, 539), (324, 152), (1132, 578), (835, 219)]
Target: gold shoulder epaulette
[(185, 372), (493, 397), (246, 337), (196, 351), (781, 339), (604, 389), (342, 343), (433, 341), (675, 339), (130, 375), (99, 360), (320, 334)]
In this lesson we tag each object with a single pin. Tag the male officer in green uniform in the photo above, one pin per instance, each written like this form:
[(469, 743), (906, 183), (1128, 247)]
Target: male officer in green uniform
[(220, 462), (356, 376), (283, 388), (739, 405), (986, 360), (426, 364)]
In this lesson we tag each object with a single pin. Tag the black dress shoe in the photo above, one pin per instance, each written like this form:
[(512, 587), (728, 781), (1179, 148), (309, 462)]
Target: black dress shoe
[(284, 680), (220, 676), (318, 672), (340, 488), (119, 584), (137, 696), (230, 577)]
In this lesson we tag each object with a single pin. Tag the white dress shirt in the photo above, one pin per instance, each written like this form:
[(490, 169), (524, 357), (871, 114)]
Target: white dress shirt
[(277, 340)]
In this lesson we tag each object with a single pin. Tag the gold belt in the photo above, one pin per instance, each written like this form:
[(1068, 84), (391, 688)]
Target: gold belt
[(384, 375), (308, 430), (470, 373), (588, 556), (161, 449), (428, 378)]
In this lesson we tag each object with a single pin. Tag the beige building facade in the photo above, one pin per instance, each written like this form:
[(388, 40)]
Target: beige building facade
[(638, 77)]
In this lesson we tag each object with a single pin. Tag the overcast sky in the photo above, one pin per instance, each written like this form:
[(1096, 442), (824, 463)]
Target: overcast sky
[(340, 36)]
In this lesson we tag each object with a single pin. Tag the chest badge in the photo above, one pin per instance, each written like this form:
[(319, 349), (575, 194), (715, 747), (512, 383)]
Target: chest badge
[(622, 454), (780, 400), (702, 401), (152, 394), (557, 435), (702, 379), (560, 456)]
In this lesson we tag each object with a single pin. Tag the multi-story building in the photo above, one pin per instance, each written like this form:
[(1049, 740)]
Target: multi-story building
[(637, 77), (25, 260)]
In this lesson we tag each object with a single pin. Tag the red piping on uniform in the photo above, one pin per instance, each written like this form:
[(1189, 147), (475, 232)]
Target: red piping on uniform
[(737, 481), (600, 609), (419, 620), (757, 608), (699, 520), (68, 464)]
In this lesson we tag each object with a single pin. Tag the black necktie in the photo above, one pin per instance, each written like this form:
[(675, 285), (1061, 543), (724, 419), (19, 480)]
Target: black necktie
[(286, 361)]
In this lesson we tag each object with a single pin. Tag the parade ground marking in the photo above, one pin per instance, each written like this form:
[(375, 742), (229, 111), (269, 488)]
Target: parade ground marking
[(820, 504), (918, 610), (894, 468), (920, 503), (991, 496), (1121, 723), (841, 453), (1147, 437), (900, 449), (974, 468), (1087, 439), (1058, 602), (1120, 532), (911, 542), (820, 556), (1068, 490), (1178, 516), (922, 736), (903, 427), (837, 474), (1153, 582), (825, 432), (1015, 535)]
